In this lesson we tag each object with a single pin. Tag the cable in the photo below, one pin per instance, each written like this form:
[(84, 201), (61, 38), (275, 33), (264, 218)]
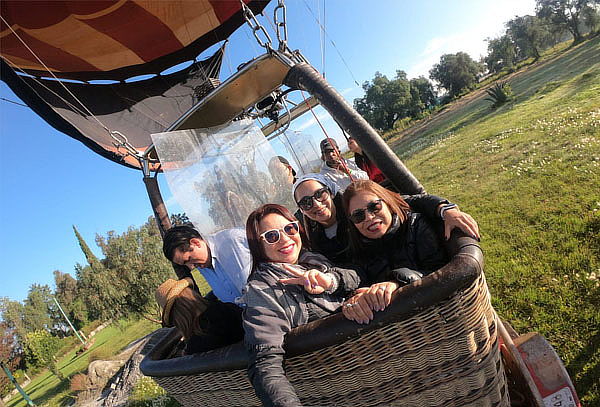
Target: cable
[(332, 43), (12, 101)]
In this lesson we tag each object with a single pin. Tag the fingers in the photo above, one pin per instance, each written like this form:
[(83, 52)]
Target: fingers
[(357, 311), (293, 270), (458, 219), (294, 280)]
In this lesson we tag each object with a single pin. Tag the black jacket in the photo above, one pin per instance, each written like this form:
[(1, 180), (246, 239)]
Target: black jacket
[(414, 245), (337, 248)]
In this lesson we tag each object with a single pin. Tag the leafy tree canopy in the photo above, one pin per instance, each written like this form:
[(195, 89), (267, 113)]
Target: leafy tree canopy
[(566, 15), (456, 72), (386, 100)]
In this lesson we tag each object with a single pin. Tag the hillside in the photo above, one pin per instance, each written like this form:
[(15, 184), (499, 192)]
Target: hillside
[(529, 172)]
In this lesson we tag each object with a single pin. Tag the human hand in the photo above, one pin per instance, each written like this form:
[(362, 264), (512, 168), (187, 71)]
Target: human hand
[(455, 218), (314, 281), (379, 295), (356, 310)]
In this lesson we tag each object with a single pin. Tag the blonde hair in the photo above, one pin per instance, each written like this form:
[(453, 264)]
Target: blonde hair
[(186, 312)]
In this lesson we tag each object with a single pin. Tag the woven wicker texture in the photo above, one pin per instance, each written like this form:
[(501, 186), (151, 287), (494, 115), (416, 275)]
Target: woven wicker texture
[(446, 355)]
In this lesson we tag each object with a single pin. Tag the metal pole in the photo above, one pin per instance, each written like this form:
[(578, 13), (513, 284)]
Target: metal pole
[(14, 382), (158, 206), (303, 76), (67, 318)]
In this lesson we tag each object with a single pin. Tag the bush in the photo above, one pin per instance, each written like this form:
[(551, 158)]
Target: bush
[(499, 94), (78, 382), (147, 393)]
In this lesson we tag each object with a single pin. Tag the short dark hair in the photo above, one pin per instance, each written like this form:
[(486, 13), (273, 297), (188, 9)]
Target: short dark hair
[(178, 236), (254, 244)]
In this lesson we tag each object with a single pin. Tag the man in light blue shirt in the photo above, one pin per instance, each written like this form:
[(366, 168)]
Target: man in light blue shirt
[(223, 259)]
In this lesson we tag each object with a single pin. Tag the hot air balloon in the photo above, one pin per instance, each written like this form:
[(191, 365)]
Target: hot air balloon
[(103, 73)]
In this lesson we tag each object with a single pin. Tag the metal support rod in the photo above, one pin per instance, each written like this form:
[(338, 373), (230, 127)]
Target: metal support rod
[(67, 318), (158, 206), (19, 388), (304, 76)]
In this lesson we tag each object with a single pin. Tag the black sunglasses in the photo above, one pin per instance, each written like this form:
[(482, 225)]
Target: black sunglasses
[(272, 236), (306, 203), (359, 215)]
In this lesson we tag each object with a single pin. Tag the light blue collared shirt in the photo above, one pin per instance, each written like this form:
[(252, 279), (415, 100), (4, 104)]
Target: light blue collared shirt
[(231, 262)]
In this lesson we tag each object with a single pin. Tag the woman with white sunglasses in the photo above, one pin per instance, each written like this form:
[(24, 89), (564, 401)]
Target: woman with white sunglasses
[(288, 287), (392, 246)]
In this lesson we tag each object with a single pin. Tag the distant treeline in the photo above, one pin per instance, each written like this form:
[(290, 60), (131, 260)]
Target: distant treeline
[(390, 103)]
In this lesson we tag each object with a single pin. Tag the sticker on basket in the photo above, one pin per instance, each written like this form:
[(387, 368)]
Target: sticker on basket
[(562, 398)]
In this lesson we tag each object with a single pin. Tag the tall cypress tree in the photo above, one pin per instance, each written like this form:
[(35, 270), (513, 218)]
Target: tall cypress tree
[(89, 256)]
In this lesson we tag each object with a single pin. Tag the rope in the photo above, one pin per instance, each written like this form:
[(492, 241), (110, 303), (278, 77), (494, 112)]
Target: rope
[(333, 144)]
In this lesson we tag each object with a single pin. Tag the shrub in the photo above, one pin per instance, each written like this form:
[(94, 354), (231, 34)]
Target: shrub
[(499, 94), (78, 382), (147, 393)]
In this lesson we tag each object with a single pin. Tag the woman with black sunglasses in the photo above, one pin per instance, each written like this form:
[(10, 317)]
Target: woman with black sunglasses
[(326, 224), (392, 245), (288, 286)]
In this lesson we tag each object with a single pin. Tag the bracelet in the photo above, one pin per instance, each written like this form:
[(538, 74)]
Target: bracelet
[(444, 208)]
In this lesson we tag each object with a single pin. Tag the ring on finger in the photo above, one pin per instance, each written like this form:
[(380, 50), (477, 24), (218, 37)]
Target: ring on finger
[(381, 288), (348, 305)]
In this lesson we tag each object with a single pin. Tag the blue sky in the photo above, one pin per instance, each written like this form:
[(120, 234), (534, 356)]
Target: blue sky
[(49, 182)]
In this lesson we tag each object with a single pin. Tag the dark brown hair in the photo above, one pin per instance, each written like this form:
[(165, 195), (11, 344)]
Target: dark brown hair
[(186, 312), (252, 230), (394, 201)]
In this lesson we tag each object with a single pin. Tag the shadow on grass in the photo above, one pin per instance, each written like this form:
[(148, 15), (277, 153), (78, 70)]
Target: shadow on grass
[(563, 67), (586, 380), (61, 387)]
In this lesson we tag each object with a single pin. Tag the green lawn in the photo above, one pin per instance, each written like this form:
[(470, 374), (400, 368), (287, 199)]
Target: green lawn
[(46, 390), (529, 172)]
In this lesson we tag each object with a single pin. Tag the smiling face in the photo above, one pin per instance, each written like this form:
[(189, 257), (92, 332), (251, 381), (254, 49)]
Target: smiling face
[(375, 225), (322, 212), (287, 249), (198, 255)]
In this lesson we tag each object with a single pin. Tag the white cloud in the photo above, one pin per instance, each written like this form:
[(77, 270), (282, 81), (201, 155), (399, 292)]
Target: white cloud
[(472, 39)]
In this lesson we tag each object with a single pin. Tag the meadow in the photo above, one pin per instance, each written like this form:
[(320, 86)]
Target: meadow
[(529, 172)]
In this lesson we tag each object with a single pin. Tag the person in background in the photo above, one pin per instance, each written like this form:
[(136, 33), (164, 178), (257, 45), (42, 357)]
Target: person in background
[(336, 169), (288, 287), (204, 324), (364, 163), (280, 169)]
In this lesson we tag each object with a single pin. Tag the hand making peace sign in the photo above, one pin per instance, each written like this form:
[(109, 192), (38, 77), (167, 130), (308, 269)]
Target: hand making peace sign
[(314, 281)]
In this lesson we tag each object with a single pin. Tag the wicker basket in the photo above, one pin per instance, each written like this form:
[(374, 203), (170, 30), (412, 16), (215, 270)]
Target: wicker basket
[(418, 352)]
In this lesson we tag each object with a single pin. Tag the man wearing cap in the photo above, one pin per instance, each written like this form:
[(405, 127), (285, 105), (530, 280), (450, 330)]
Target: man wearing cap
[(337, 169)]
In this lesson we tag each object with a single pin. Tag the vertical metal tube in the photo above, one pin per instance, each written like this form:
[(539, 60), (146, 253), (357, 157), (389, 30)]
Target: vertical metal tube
[(158, 206), (305, 77)]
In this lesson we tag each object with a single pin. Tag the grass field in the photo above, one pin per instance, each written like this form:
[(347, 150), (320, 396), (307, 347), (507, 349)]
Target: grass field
[(529, 172), (46, 390)]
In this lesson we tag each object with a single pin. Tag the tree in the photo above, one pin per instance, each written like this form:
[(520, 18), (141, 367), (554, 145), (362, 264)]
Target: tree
[(386, 100), (40, 312), (456, 72), (40, 351), (67, 294), (125, 280), (501, 54), (565, 15), (591, 17), (529, 35), (423, 95)]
